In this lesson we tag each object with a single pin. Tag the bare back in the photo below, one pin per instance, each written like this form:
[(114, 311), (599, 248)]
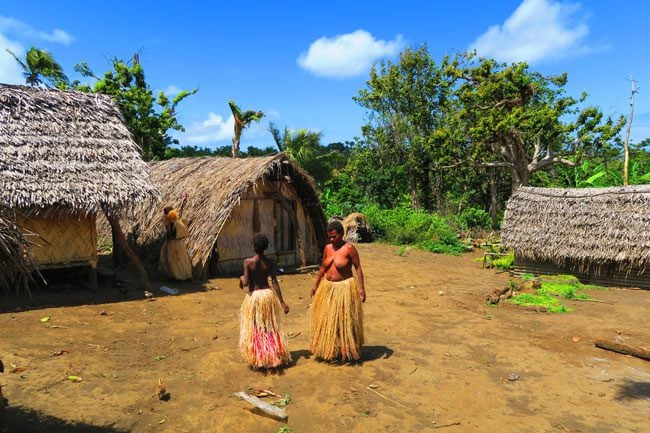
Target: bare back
[(257, 270)]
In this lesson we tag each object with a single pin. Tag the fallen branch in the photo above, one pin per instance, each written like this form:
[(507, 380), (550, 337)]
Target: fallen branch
[(389, 399), (638, 352), (447, 425), (263, 406)]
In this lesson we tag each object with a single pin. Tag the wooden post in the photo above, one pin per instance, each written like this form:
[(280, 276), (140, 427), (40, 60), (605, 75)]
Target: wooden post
[(119, 234)]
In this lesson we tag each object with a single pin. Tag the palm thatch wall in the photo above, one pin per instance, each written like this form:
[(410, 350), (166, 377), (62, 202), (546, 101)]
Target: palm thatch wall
[(15, 259), (601, 235), (64, 157), (228, 201)]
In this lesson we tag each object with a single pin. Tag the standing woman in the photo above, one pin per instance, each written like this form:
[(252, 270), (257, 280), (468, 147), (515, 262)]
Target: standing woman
[(174, 260), (337, 311)]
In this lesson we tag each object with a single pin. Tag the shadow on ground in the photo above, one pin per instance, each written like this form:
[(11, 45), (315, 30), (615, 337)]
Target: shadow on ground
[(634, 390), (24, 420), (67, 288)]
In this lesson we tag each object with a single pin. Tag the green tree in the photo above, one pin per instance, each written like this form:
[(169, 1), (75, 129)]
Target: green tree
[(408, 103), (242, 120), (516, 119), (40, 68), (304, 148), (148, 117)]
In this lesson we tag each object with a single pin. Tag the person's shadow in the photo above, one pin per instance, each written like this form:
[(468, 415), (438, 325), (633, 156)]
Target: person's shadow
[(374, 353)]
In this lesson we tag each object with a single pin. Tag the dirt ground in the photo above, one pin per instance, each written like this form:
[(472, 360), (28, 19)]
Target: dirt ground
[(437, 358)]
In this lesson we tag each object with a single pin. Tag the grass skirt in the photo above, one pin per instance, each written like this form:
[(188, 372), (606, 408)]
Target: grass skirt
[(174, 260), (261, 341), (337, 320)]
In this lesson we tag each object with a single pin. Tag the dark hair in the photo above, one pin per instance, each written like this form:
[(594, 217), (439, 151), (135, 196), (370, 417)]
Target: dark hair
[(260, 242), (167, 209), (336, 226)]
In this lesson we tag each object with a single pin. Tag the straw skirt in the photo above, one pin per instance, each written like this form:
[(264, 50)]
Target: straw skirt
[(174, 260), (261, 341), (337, 321)]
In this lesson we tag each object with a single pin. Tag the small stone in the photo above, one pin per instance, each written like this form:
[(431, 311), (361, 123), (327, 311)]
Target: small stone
[(513, 376)]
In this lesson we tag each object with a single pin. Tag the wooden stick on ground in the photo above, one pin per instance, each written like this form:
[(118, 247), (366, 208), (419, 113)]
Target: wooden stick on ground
[(265, 407), (638, 352), (389, 399)]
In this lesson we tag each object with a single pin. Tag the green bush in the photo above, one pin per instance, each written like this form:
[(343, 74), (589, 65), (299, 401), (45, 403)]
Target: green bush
[(474, 217), (404, 226)]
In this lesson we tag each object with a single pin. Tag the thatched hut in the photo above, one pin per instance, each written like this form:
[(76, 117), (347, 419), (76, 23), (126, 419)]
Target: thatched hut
[(356, 228), (229, 201), (64, 157), (600, 235)]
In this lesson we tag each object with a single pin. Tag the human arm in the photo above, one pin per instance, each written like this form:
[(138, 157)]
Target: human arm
[(356, 262), (184, 197), (321, 274), (244, 280), (276, 288)]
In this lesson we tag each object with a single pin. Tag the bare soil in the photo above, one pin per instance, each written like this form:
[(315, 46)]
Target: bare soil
[(438, 358)]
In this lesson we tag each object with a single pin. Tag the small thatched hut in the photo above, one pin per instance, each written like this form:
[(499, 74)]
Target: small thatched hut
[(600, 235), (64, 157), (229, 201)]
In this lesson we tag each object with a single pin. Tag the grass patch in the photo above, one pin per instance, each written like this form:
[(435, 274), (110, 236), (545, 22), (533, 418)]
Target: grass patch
[(553, 286), (504, 263), (545, 300), (401, 250)]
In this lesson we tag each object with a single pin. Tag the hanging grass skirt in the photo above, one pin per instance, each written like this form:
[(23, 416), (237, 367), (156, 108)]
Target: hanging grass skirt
[(337, 320), (174, 260), (261, 341)]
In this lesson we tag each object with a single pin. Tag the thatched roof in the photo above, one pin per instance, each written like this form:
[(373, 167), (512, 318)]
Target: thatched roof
[(214, 186), (67, 150), (589, 228)]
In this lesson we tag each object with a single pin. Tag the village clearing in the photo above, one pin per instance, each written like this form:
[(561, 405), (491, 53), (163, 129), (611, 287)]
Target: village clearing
[(437, 358)]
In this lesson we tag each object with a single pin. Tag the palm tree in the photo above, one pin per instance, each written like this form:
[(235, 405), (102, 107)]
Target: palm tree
[(242, 120), (304, 148), (40, 68)]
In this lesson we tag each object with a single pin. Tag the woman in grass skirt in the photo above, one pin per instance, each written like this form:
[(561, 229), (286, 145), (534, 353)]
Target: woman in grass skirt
[(261, 340), (337, 312), (174, 261)]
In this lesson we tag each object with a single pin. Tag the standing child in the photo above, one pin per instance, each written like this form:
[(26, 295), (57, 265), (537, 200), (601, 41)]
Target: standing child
[(261, 341)]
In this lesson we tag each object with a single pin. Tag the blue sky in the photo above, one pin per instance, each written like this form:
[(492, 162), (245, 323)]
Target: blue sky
[(302, 62)]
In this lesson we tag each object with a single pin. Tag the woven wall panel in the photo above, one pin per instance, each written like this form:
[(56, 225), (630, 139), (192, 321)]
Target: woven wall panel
[(62, 241)]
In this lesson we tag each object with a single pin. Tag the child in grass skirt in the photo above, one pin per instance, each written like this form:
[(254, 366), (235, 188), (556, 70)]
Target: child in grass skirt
[(261, 340)]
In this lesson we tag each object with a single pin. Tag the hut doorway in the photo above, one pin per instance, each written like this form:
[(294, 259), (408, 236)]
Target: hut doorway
[(285, 232)]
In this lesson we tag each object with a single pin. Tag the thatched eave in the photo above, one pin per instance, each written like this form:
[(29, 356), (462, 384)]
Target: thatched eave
[(68, 150), (591, 228)]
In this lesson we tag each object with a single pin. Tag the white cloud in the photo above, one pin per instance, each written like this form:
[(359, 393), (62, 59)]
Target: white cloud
[(10, 70), (212, 129), (537, 30), (172, 90), (22, 30), (347, 55), (14, 35)]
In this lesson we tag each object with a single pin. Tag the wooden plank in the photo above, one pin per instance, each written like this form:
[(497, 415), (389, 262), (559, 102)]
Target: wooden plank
[(638, 352)]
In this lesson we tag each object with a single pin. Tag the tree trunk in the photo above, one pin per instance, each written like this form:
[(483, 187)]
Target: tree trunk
[(520, 174), (119, 234), (235, 148), (415, 201), (626, 144), (494, 203)]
